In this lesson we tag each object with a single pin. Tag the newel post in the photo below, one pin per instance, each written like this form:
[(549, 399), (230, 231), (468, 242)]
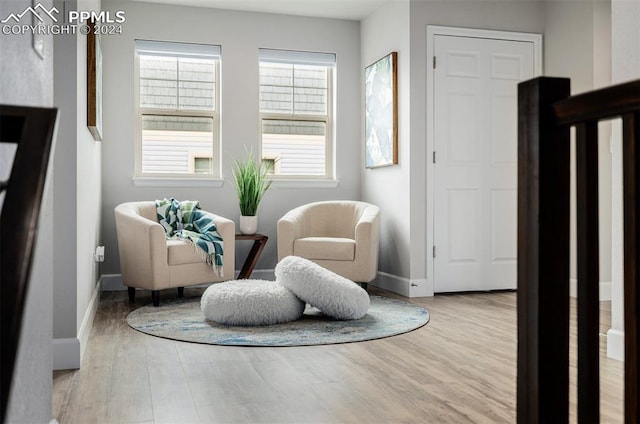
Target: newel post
[(543, 254)]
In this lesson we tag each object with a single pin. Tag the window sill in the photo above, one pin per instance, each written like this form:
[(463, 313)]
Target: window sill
[(304, 183), (176, 182), (219, 182)]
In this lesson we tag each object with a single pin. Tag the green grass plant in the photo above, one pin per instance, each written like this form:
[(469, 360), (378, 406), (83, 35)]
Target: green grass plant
[(252, 181)]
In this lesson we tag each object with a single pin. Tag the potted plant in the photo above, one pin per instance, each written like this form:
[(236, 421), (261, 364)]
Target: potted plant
[(252, 180)]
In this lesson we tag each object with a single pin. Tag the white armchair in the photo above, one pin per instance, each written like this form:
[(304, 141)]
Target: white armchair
[(342, 236), (149, 261)]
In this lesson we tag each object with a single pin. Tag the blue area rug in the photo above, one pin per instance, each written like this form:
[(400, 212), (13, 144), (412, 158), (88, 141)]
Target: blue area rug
[(181, 319)]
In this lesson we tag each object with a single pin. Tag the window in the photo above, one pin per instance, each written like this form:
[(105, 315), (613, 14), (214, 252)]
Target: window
[(178, 109), (296, 107), (202, 165)]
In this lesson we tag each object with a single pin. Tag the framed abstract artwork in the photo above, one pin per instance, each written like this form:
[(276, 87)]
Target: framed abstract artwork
[(381, 112)]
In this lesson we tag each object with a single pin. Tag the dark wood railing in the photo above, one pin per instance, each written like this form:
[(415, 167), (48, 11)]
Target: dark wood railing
[(545, 114), (32, 129)]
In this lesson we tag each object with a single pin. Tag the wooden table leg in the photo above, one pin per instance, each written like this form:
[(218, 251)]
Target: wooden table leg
[(252, 258)]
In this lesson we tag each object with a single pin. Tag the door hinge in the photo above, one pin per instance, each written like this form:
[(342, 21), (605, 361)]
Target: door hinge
[(434, 156), (434, 62), (434, 251)]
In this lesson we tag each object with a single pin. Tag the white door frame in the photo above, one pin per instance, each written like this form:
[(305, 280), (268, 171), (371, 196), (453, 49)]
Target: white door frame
[(432, 31)]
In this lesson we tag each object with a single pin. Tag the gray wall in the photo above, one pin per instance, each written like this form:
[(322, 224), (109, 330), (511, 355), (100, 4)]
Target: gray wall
[(88, 191), (625, 37), (625, 66), (77, 187), (568, 42), (64, 257), (27, 80), (578, 45), (602, 78), (240, 34), (384, 31)]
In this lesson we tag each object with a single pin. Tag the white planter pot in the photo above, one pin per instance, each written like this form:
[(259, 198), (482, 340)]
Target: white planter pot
[(248, 224)]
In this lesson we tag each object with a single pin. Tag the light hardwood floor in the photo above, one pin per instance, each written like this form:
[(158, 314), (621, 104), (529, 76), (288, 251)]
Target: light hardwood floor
[(459, 368)]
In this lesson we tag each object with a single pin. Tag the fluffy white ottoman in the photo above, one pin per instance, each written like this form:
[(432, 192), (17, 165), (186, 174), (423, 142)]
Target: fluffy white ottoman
[(250, 302), (331, 293)]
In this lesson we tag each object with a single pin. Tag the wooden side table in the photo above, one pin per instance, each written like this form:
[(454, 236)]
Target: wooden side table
[(259, 241)]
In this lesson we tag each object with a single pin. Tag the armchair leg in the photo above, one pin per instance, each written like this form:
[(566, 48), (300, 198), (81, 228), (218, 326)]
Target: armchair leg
[(364, 285), (180, 291), (132, 294), (155, 297)]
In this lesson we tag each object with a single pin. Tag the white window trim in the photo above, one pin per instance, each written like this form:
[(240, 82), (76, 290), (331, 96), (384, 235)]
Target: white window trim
[(304, 183), (177, 182), (298, 180), (197, 154), (141, 179)]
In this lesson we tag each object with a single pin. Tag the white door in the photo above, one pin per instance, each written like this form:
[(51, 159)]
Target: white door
[(475, 171)]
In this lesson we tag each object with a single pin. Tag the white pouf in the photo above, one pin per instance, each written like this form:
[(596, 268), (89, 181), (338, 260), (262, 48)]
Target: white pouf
[(333, 294), (250, 302)]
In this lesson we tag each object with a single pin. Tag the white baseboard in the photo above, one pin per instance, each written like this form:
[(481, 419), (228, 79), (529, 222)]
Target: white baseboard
[(604, 290), (68, 352), (392, 283), (419, 288), (87, 320), (615, 344), (416, 287), (112, 282), (262, 274)]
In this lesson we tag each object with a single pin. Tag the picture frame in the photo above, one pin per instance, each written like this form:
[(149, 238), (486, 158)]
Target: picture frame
[(381, 112), (94, 82)]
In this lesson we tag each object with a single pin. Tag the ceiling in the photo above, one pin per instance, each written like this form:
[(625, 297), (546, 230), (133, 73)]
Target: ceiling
[(339, 9)]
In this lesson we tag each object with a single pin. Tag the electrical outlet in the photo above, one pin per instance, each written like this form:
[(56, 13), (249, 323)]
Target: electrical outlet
[(99, 254)]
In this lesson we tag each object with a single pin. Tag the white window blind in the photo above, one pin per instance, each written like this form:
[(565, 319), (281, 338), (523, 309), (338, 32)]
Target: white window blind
[(297, 57), (165, 48)]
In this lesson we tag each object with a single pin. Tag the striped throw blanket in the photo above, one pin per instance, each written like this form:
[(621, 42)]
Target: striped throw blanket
[(185, 220)]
